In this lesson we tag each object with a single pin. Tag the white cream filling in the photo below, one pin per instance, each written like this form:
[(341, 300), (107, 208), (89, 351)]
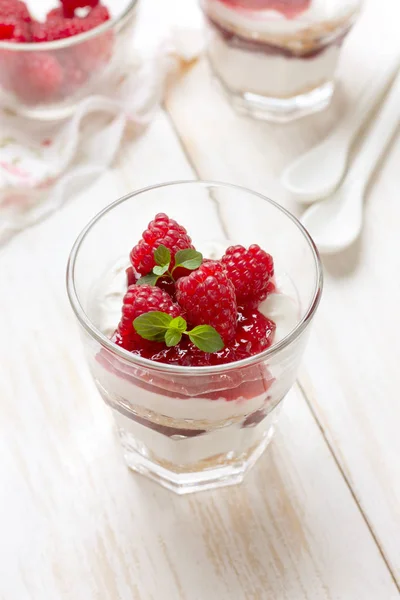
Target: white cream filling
[(181, 409), (270, 75), (185, 451)]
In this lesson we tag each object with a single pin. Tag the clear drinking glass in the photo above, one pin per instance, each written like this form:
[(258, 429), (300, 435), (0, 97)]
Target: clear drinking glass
[(192, 428), (276, 59), (87, 64)]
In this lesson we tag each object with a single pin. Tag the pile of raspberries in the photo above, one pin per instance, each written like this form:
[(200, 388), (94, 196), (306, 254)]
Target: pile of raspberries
[(48, 76)]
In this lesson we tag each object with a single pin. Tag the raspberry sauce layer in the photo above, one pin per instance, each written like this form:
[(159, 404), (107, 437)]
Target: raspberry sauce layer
[(249, 44)]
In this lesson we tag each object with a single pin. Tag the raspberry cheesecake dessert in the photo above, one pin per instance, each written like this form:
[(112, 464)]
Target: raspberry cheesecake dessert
[(51, 51), (195, 342), (276, 59)]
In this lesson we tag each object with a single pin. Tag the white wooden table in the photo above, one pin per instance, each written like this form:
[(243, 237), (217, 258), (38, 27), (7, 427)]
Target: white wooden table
[(319, 516)]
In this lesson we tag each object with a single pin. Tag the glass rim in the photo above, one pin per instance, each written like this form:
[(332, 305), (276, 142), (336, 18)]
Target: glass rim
[(106, 343), (75, 39)]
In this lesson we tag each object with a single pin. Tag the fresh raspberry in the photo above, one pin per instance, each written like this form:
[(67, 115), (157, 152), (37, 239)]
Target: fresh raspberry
[(96, 52), (58, 28), (70, 6), (7, 63), (130, 276), (39, 32), (22, 32), (98, 15), (208, 298), (55, 13), (14, 9), (7, 28), (250, 272), (74, 76), (141, 299), (14, 31), (162, 230), (38, 78)]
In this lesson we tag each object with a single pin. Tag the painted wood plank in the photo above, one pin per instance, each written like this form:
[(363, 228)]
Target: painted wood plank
[(76, 524), (351, 377)]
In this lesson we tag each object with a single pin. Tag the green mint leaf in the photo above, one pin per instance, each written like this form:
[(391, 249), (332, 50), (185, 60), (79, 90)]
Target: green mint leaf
[(172, 337), (179, 324), (190, 259), (160, 270), (162, 256), (150, 279), (206, 338), (152, 325)]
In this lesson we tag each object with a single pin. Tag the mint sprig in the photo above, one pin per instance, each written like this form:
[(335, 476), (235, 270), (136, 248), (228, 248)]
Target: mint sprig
[(162, 256), (189, 259), (172, 337), (160, 270), (150, 279), (206, 338), (160, 327), (179, 324), (152, 325)]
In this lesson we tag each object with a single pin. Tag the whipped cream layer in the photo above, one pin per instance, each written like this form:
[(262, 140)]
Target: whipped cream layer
[(274, 76), (189, 451), (203, 411)]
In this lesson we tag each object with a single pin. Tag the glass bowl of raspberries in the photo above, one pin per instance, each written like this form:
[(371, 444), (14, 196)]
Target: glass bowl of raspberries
[(194, 322), (54, 53)]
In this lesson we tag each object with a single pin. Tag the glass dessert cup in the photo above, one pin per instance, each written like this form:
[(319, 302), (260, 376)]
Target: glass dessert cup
[(276, 60), (194, 428), (87, 64)]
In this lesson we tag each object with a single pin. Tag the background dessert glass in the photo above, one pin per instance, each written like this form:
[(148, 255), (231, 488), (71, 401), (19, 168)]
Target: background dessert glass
[(192, 428), (85, 64), (276, 60)]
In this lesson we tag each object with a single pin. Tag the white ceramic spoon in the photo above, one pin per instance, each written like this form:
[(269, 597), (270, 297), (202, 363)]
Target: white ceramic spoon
[(315, 174), (336, 222)]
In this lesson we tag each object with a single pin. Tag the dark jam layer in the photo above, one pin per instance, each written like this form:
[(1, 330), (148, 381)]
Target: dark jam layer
[(253, 45), (250, 421)]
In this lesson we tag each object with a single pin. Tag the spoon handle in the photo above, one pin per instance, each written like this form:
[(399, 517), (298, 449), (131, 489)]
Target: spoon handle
[(378, 137), (355, 119)]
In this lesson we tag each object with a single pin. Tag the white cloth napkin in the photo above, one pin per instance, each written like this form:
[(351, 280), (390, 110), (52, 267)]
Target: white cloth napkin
[(42, 163)]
